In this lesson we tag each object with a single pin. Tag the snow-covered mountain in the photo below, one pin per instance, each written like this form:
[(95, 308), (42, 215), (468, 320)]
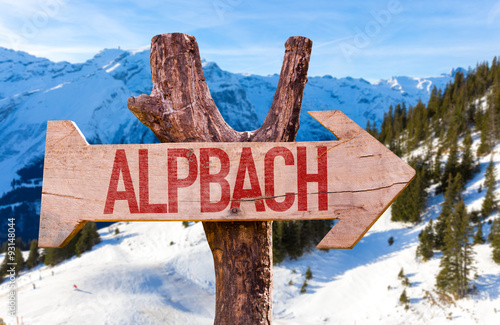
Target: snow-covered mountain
[(361, 100), (94, 95)]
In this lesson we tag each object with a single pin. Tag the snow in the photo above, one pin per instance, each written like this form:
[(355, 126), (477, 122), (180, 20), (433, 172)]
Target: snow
[(481, 103), (140, 49), (134, 277), (156, 273), (112, 68), (56, 87)]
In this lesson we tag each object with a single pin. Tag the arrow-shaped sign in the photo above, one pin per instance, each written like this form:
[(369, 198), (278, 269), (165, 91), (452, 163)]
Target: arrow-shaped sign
[(354, 179)]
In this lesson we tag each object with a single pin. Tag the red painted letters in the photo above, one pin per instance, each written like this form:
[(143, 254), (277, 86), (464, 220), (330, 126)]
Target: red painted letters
[(219, 178), (209, 201), (144, 204), (321, 178), (254, 192), (120, 166), (174, 183), (269, 179)]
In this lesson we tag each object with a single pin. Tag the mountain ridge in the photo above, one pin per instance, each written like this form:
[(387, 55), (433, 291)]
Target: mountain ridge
[(93, 94)]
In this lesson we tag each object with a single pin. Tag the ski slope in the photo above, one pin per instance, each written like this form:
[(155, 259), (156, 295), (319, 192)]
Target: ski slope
[(162, 273)]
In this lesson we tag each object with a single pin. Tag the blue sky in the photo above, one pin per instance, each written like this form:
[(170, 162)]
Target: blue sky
[(369, 39)]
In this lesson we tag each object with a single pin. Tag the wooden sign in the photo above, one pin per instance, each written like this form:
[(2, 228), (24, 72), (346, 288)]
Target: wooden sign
[(353, 179)]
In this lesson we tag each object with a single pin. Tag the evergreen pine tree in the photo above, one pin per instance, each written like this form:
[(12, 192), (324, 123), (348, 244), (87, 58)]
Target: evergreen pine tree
[(292, 238), (21, 244), (19, 261), (451, 197), (50, 256), (456, 263), (490, 201), (411, 202), (32, 260), (451, 168), (433, 104), (403, 208), (368, 127), (436, 167), (3, 267), (303, 289), (374, 130), (309, 274), (279, 250), (386, 132), (425, 248), (401, 274), (308, 229), (478, 237), (403, 298), (488, 130), (494, 239), (467, 166), (89, 237)]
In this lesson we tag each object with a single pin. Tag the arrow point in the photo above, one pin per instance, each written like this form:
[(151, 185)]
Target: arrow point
[(354, 223), (345, 233), (56, 231), (338, 123), (64, 133)]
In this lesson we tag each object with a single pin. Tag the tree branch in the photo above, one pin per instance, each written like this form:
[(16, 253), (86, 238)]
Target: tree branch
[(181, 109), (282, 120)]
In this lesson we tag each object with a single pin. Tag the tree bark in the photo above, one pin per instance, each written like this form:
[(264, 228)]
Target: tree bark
[(181, 109)]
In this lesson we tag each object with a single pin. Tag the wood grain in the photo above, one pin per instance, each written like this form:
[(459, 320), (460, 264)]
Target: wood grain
[(362, 176)]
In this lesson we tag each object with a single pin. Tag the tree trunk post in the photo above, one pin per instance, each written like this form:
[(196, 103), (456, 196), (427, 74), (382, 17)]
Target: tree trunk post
[(181, 109)]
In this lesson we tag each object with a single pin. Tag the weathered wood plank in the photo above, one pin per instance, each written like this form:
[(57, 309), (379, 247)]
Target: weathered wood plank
[(354, 179)]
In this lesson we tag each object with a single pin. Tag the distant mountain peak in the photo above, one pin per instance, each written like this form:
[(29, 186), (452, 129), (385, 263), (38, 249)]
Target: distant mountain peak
[(454, 71)]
